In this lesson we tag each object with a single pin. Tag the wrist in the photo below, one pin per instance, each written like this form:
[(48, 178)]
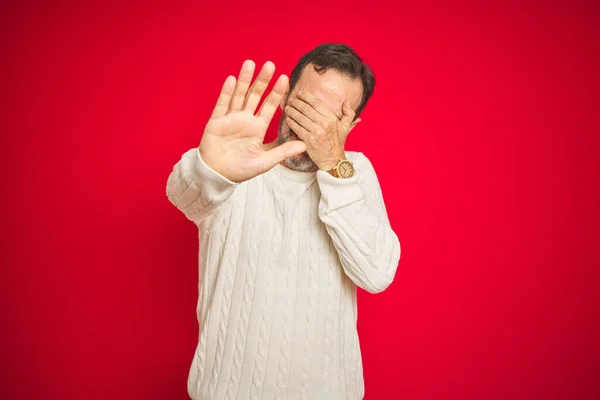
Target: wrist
[(344, 168), (209, 162), (332, 162)]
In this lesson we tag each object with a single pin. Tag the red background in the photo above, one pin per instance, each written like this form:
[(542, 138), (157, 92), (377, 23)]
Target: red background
[(483, 129)]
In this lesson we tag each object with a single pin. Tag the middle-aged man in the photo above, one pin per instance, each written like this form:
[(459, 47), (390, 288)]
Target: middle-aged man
[(287, 232)]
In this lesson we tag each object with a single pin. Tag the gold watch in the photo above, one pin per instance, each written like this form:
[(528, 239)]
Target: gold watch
[(343, 169)]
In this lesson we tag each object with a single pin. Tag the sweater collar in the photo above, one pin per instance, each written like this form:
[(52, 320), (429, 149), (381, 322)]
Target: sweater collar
[(292, 174)]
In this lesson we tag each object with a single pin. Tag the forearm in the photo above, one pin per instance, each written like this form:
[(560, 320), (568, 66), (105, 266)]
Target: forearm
[(354, 215)]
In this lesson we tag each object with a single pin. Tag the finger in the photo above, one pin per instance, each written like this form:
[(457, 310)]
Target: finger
[(259, 86), (281, 153), (224, 98), (297, 128), (315, 102), (243, 83), (305, 109), (348, 116), (269, 106), (300, 118)]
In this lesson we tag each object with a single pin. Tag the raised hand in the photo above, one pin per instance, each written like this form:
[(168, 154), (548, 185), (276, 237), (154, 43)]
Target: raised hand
[(232, 143)]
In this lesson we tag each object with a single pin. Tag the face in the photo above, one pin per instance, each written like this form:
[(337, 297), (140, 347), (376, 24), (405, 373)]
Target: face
[(331, 87)]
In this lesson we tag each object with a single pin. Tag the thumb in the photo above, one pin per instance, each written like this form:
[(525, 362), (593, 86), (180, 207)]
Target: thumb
[(280, 153), (348, 116)]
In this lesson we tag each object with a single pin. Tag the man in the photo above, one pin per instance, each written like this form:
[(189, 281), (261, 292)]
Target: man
[(287, 232)]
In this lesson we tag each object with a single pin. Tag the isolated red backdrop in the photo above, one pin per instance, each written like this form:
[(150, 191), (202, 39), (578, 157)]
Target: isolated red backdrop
[(483, 129)]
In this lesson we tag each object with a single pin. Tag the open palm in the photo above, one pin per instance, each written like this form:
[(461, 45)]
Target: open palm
[(232, 143)]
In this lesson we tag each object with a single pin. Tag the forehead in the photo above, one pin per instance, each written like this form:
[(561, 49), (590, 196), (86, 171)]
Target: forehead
[(330, 86)]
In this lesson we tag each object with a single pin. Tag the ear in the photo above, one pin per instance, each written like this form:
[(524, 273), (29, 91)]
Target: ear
[(354, 123)]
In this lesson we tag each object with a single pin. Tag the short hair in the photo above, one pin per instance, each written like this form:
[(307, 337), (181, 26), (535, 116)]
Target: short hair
[(342, 58)]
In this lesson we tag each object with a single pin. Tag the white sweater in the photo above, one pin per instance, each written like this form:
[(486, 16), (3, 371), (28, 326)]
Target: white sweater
[(280, 258)]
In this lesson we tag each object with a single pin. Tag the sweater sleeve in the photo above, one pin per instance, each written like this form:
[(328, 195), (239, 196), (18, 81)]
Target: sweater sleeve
[(354, 214), (196, 189)]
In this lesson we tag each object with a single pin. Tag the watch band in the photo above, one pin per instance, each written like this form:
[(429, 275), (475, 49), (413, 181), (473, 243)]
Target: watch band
[(333, 172)]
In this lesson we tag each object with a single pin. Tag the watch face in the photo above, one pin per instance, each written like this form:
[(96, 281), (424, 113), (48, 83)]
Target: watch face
[(346, 169)]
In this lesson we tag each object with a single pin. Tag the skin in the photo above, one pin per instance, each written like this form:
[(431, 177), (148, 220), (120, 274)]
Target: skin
[(320, 113)]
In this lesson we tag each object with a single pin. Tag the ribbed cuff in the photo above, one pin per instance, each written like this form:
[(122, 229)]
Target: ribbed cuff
[(338, 192)]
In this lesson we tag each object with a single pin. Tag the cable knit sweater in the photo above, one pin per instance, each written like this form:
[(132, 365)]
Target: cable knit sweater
[(280, 258)]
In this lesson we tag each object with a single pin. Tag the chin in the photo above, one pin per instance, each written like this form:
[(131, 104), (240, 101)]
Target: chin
[(301, 162)]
